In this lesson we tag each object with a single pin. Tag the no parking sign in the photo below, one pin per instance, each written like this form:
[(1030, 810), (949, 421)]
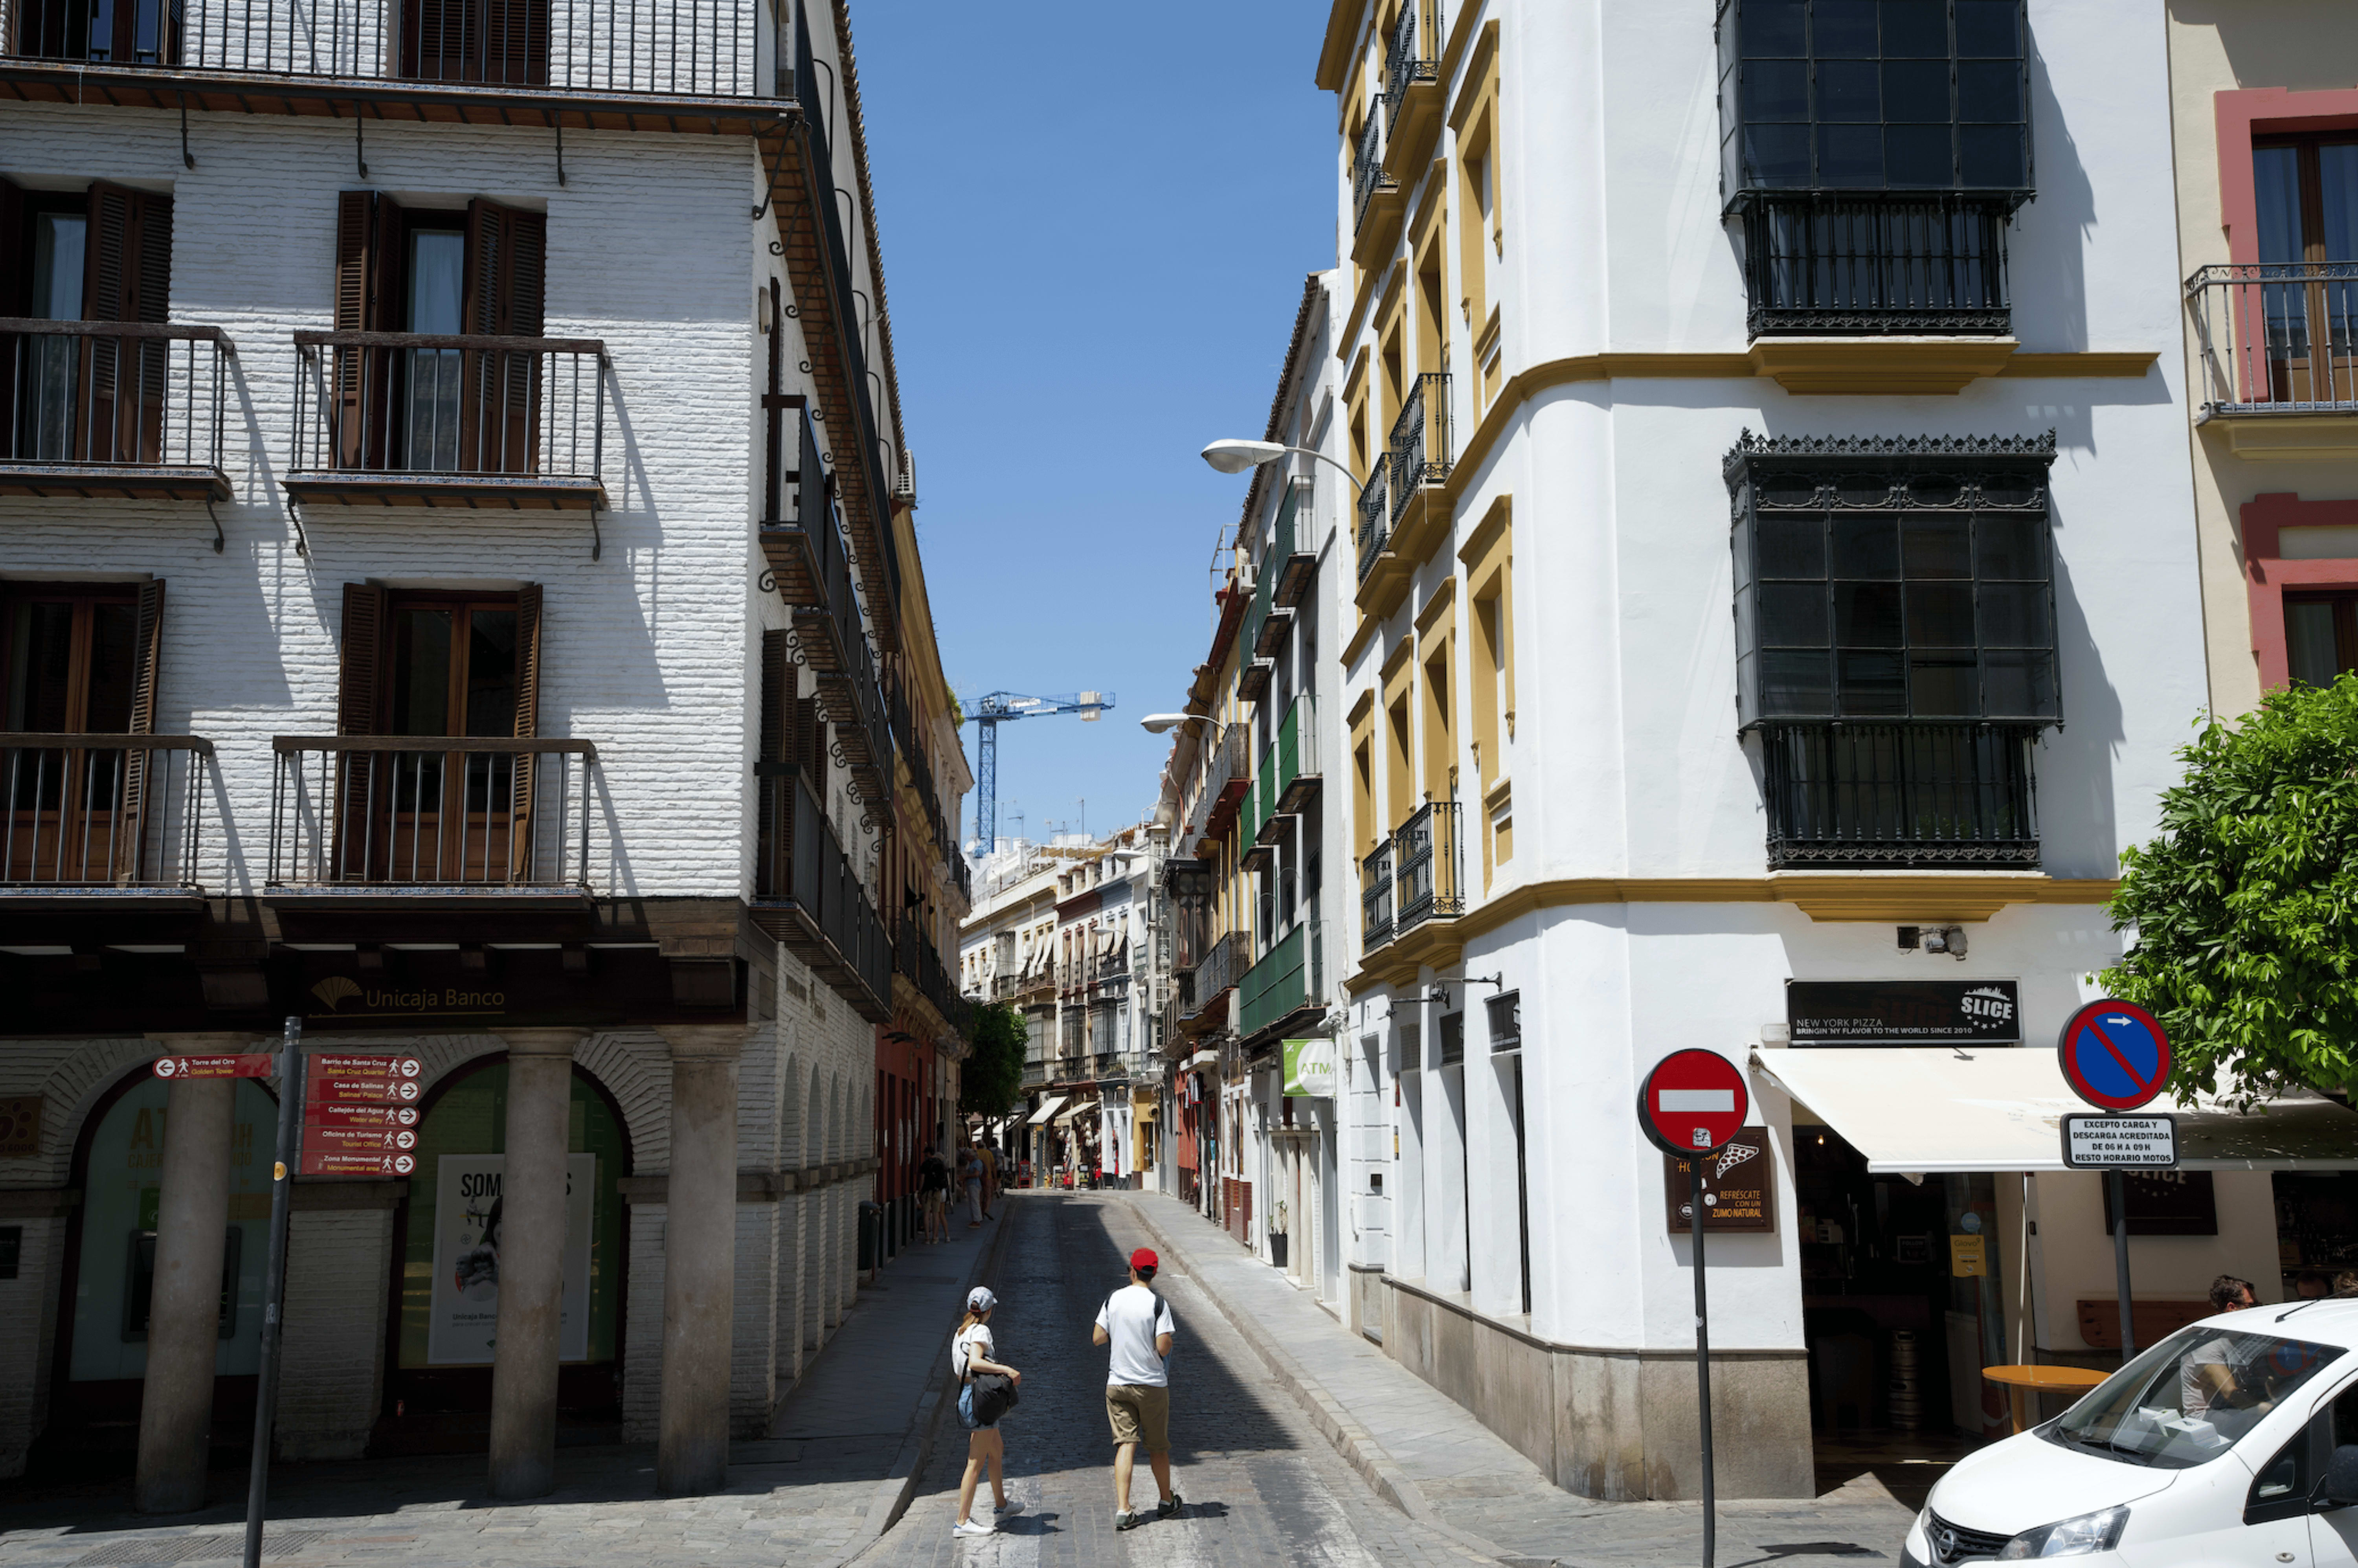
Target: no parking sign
[(2115, 1055)]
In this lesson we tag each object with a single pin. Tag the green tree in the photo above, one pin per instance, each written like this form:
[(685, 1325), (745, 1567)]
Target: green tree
[(2245, 910), (993, 1075)]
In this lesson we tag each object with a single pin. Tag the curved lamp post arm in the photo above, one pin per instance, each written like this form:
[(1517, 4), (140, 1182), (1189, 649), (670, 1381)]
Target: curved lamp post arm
[(1357, 487)]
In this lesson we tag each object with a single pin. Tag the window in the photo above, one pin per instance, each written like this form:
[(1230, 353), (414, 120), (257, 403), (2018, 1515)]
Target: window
[(113, 32), (1895, 651), (1505, 1010), (2320, 636), (77, 659), (499, 41), (1874, 149), (100, 255), (2306, 202)]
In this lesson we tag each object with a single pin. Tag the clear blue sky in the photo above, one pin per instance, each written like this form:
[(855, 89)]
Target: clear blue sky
[(1097, 217)]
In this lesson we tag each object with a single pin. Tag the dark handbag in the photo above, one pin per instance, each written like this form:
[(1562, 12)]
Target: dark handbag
[(994, 1396)]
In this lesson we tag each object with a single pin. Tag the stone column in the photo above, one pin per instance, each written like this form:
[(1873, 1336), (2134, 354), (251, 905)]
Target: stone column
[(175, 1404), (532, 1261), (699, 1262)]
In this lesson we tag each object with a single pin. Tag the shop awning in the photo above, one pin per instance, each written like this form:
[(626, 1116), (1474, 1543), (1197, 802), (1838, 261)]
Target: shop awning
[(1924, 1109), (1049, 1109)]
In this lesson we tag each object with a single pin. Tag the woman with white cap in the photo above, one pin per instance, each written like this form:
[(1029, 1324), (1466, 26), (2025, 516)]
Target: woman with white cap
[(970, 1352)]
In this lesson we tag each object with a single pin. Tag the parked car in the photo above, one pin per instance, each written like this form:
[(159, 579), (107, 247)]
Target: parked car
[(2233, 1442)]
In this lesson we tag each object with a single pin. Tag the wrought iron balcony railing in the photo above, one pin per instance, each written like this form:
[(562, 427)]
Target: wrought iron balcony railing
[(460, 813), (1865, 263), (405, 413), (1430, 885), (1216, 972), (1227, 773), (1368, 176), (2276, 337), (1901, 795), (1376, 897), (97, 811), (695, 48), (808, 892), (1410, 58), (125, 398), (1376, 511), (1290, 976), (1421, 452)]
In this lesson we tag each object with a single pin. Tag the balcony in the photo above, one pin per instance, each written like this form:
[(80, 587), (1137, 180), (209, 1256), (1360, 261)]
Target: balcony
[(1206, 981), (369, 820), (94, 818), (1227, 774), (113, 409), (2279, 347), (1375, 529), (1895, 796), (695, 49), (918, 961), (1414, 516), (806, 894), (1413, 89), (1413, 890), (1873, 265), (461, 420), (1293, 568), (1377, 202), (1290, 764), (1290, 980), (1376, 897)]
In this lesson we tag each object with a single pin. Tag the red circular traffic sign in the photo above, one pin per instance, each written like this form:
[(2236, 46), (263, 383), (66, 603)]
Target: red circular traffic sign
[(2115, 1055), (1693, 1102)]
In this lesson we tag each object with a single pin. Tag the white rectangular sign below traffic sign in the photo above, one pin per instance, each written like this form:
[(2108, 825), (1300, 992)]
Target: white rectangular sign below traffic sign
[(2119, 1142)]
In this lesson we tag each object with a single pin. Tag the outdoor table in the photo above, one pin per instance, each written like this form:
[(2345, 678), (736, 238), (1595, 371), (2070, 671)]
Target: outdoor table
[(2044, 1380)]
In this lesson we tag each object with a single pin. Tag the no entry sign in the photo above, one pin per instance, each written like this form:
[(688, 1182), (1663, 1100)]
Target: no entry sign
[(1693, 1102), (2114, 1056)]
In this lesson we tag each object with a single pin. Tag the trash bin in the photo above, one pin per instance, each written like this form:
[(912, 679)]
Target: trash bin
[(871, 1231)]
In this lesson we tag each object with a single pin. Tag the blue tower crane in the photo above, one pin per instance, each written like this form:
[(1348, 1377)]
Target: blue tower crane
[(1004, 707)]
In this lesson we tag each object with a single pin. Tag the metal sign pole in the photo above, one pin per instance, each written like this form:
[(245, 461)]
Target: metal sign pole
[(1703, 1350), (274, 1283), (2121, 1260)]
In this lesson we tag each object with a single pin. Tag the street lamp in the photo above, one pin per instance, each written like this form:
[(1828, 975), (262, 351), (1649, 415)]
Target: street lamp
[(1163, 723), (1236, 456)]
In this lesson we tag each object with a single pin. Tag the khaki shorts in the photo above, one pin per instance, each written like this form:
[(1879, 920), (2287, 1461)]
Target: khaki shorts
[(1140, 1414)]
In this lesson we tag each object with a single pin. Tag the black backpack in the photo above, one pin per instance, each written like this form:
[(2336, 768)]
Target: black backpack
[(994, 1393)]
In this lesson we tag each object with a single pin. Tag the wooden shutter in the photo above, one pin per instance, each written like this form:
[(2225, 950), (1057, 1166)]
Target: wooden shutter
[(137, 765), (522, 832), (506, 265), (371, 237), (357, 687), (810, 745), (14, 285), (127, 276), (772, 788)]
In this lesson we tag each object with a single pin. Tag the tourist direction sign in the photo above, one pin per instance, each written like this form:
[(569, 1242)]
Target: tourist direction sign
[(243, 1064), (360, 1116)]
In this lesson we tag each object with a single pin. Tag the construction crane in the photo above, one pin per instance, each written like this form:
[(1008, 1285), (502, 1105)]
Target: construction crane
[(1004, 707)]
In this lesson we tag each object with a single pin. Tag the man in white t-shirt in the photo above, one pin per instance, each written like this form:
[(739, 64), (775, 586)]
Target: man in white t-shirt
[(1137, 1324)]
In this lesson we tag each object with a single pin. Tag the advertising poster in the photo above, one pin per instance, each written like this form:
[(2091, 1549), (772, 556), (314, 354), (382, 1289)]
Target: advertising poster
[(1310, 1069), (1739, 1190), (1903, 1013), (463, 1317)]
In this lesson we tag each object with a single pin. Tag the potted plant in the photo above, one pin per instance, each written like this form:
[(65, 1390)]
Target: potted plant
[(1277, 1235)]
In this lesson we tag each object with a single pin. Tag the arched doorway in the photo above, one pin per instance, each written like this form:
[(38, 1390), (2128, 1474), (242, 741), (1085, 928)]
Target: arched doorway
[(437, 1385), (101, 1355)]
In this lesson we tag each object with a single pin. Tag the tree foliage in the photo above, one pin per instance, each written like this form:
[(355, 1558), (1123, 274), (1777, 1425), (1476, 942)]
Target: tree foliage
[(2244, 909), (993, 1075)]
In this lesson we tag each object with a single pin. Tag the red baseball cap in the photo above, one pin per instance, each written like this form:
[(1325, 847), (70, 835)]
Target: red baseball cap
[(1144, 1259)]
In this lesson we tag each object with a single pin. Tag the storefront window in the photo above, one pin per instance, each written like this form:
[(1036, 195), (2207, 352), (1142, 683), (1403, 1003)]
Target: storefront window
[(449, 1285), (121, 1192)]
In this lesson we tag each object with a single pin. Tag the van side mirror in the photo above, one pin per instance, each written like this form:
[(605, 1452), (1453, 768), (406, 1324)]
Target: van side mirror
[(2339, 1490)]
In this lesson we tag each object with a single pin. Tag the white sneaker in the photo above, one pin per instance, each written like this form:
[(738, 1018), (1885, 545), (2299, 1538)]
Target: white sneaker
[(972, 1527), (1007, 1510)]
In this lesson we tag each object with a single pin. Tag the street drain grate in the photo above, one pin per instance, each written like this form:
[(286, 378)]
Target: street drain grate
[(193, 1549)]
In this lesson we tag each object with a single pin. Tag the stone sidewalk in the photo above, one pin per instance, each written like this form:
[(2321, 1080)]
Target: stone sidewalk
[(844, 1453), (1424, 1452)]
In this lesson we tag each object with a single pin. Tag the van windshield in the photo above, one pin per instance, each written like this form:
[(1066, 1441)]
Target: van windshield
[(2190, 1398)]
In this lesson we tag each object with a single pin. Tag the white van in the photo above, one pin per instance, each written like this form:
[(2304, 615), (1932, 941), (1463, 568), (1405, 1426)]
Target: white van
[(2232, 1443)]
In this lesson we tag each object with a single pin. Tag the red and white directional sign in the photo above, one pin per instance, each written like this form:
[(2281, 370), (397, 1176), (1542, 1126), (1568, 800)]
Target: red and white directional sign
[(2115, 1055), (360, 1116), (245, 1065), (1693, 1102)]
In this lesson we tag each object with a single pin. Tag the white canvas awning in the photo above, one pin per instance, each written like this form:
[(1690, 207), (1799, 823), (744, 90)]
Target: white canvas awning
[(1046, 1111), (1922, 1108)]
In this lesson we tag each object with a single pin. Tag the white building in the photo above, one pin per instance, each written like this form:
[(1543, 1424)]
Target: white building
[(387, 392), (1775, 564)]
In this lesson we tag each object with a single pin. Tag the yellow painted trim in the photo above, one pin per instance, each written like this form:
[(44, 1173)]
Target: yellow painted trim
[(1394, 660), (1444, 594), (1361, 710), (1368, 627), (2291, 436), (1899, 367), (2105, 366), (1334, 51), (1486, 533), (1388, 303), (1357, 374), (1499, 794), (1428, 208), (1379, 232), (1477, 69)]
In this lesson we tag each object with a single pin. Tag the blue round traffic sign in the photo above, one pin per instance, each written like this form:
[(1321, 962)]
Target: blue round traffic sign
[(2115, 1055)]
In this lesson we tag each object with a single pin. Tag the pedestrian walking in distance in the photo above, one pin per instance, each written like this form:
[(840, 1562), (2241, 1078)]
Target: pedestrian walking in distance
[(971, 1357), (934, 1192), (1137, 1324), (970, 1177)]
